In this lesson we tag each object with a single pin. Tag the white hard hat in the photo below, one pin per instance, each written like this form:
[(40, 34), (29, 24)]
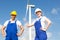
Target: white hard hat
[(37, 9)]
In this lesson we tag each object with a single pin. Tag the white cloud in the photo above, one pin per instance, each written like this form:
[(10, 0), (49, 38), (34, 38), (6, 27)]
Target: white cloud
[(0, 27), (58, 33), (24, 19), (54, 11), (49, 34), (22, 38)]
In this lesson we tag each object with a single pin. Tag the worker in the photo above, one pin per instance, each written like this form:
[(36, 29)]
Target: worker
[(41, 24), (11, 26)]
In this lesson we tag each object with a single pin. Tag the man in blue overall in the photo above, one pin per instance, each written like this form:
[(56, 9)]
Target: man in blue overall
[(39, 24), (11, 28)]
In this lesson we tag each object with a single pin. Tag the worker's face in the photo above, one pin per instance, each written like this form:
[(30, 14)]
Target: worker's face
[(13, 17), (38, 13)]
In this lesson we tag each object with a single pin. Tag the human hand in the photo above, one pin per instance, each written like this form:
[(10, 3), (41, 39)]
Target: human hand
[(3, 34), (19, 34), (44, 29)]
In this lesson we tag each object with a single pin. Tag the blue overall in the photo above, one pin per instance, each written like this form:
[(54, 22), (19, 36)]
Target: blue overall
[(11, 31), (40, 34)]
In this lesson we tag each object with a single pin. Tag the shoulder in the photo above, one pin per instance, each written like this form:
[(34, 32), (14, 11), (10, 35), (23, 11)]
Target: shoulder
[(43, 18), (7, 21), (18, 22)]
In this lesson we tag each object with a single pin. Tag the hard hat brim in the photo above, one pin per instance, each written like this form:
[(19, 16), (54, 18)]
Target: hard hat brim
[(37, 11), (13, 15)]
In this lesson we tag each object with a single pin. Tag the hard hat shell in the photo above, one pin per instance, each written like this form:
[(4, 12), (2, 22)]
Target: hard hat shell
[(13, 13), (37, 9)]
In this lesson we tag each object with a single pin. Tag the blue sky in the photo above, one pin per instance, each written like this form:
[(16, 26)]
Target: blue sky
[(50, 8)]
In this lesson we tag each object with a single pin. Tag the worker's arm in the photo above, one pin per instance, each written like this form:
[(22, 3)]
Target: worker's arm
[(3, 31), (48, 24), (21, 30), (30, 25)]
